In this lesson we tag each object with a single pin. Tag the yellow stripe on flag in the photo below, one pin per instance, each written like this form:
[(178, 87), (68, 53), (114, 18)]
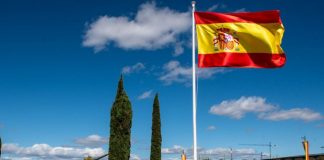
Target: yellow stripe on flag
[(251, 38)]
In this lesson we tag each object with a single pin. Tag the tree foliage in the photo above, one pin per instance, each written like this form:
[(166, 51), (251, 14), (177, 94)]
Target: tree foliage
[(156, 139), (120, 125)]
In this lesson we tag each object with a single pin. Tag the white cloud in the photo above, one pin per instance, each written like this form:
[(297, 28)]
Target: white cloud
[(46, 152), (216, 6), (208, 152), (321, 125), (213, 7), (145, 95), (206, 73), (223, 6), (92, 141), (304, 114), (244, 151), (238, 108), (240, 10), (134, 157), (178, 49), (152, 28), (175, 73), (15, 158), (176, 149), (211, 128), (134, 68)]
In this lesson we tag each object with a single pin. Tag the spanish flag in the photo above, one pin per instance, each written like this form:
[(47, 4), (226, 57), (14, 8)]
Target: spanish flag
[(306, 148), (247, 39), (183, 156)]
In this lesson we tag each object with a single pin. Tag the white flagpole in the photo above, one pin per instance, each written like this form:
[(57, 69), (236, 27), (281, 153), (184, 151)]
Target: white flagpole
[(194, 92)]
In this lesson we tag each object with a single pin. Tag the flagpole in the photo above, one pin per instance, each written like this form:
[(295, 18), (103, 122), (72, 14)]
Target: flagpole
[(194, 93)]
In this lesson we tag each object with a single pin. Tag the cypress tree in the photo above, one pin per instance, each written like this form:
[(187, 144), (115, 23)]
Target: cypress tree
[(120, 125), (156, 138)]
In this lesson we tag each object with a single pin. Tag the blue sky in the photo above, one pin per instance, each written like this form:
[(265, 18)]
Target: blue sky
[(60, 62)]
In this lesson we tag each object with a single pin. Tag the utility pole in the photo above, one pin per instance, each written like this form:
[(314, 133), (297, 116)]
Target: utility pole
[(263, 145)]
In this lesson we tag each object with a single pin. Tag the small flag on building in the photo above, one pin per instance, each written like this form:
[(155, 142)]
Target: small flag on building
[(247, 39), (183, 156), (306, 148)]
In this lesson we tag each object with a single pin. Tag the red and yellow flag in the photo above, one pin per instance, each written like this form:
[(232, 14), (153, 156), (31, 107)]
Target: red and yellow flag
[(247, 39), (306, 148), (183, 156)]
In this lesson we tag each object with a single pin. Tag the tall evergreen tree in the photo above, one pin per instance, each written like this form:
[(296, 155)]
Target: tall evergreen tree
[(120, 125), (156, 138)]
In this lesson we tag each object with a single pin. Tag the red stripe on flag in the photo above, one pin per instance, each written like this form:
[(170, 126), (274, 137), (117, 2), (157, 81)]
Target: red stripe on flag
[(241, 60), (246, 17)]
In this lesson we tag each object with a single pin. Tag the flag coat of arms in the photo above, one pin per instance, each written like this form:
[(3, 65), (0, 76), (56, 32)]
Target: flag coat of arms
[(247, 39)]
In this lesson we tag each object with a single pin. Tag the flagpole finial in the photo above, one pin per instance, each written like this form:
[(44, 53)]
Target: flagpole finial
[(193, 3)]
